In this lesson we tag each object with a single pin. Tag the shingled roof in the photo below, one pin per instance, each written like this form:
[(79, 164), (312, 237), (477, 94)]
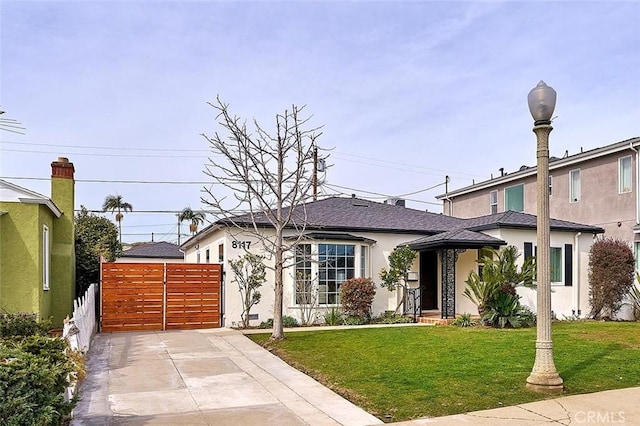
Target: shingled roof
[(459, 238), (159, 250), (512, 219), (355, 214)]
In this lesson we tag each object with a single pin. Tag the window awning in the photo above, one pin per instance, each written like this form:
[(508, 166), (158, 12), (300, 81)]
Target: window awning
[(460, 238), (333, 236)]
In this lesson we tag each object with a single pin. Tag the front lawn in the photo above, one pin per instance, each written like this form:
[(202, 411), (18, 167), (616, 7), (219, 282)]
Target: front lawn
[(408, 372)]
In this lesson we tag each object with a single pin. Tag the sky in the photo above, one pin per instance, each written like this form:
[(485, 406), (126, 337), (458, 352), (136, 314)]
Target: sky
[(407, 92)]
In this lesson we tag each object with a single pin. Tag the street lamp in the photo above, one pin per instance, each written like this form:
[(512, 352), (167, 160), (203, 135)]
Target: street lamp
[(543, 377)]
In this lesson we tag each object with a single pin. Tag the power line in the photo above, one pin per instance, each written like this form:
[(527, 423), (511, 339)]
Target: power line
[(102, 155), (377, 193), (163, 182), (106, 148)]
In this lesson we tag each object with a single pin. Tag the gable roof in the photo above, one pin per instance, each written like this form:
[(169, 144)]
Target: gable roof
[(160, 249), (13, 193), (554, 163), (513, 219)]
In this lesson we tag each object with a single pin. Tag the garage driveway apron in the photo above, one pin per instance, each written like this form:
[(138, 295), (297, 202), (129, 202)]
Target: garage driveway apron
[(201, 377)]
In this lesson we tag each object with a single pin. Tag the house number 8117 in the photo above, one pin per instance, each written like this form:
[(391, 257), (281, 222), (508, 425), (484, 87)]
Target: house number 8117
[(241, 244)]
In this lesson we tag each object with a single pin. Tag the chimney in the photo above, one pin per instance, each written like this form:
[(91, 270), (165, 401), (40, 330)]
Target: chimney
[(62, 240), (62, 168)]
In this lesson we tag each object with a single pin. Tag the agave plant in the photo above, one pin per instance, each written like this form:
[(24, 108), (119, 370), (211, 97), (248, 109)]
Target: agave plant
[(504, 311), (493, 291)]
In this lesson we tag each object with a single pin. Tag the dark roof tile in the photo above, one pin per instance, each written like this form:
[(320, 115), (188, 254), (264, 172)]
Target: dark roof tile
[(160, 249)]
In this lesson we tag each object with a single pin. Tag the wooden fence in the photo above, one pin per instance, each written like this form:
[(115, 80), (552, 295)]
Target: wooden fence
[(157, 296)]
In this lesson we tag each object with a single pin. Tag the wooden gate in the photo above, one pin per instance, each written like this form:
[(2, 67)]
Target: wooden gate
[(156, 296)]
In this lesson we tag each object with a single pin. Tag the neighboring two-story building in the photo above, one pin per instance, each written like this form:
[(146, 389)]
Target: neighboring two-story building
[(598, 187), (37, 254)]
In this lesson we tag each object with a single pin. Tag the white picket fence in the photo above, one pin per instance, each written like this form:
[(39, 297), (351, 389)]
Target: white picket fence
[(80, 328)]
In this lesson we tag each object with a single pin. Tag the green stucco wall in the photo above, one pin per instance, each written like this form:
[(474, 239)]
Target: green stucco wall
[(21, 267), (63, 270)]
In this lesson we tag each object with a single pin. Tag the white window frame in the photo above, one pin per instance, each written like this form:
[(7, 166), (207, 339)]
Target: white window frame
[(358, 268), (621, 188), (550, 186), (562, 254), (572, 196), (493, 202), (46, 258)]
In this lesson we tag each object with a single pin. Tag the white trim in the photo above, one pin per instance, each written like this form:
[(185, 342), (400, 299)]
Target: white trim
[(491, 202), (572, 197), (46, 258), (557, 164), (620, 189)]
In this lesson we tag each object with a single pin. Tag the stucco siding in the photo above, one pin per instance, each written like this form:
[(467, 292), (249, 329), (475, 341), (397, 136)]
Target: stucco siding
[(467, 262), (377, 255), (22, 253), (600, 202)]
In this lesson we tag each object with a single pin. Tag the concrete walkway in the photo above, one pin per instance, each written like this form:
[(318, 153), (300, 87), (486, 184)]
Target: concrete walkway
[(219, 377)]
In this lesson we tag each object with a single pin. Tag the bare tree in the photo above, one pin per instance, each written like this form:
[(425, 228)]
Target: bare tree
[(268, 176)]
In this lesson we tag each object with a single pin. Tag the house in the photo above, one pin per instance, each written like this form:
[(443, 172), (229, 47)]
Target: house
[(351, 237), (597, 187), (37, 255), (154, 252)]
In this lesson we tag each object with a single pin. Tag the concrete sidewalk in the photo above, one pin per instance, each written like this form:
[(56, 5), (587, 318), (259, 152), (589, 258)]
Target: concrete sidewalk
[(220, 377)]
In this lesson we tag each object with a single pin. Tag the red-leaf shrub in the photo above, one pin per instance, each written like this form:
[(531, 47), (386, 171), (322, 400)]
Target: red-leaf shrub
[(356, 296), (611, 275)]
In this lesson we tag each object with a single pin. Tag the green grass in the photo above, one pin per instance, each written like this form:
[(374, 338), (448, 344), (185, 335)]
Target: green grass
[(408, 372)]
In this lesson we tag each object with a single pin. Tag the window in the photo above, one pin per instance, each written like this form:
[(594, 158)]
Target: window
[(198, 256), (493, 202), (325, 270), (46, 258), (221, 253), (624, 174), (207, 258), (574, 186), (556, 264), (304, 275), (637, 253), (335, 266), (363, 261), (550, 186), (514, 198)]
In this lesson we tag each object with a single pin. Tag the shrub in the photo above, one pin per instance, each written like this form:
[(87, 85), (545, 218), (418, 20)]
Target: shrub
[(611, 273), (267, 324), (464, 320), (356, 297), (390, 317), (493, 291), (333, 317), (288, 321), (353, 320), (22, 325)]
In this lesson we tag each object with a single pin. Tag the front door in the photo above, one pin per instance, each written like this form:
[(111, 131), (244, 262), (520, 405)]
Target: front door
[(429, 280)]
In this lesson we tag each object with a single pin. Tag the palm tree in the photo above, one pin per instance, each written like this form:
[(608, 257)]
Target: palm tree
[(115, 203), (196, 218)]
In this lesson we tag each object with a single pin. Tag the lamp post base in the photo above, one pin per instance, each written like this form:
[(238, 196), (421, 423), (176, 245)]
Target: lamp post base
[(544, 377), (548, 389)]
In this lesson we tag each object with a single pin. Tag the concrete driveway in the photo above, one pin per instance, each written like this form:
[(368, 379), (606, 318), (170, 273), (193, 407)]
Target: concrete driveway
[(219, 377), (202, 377)]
